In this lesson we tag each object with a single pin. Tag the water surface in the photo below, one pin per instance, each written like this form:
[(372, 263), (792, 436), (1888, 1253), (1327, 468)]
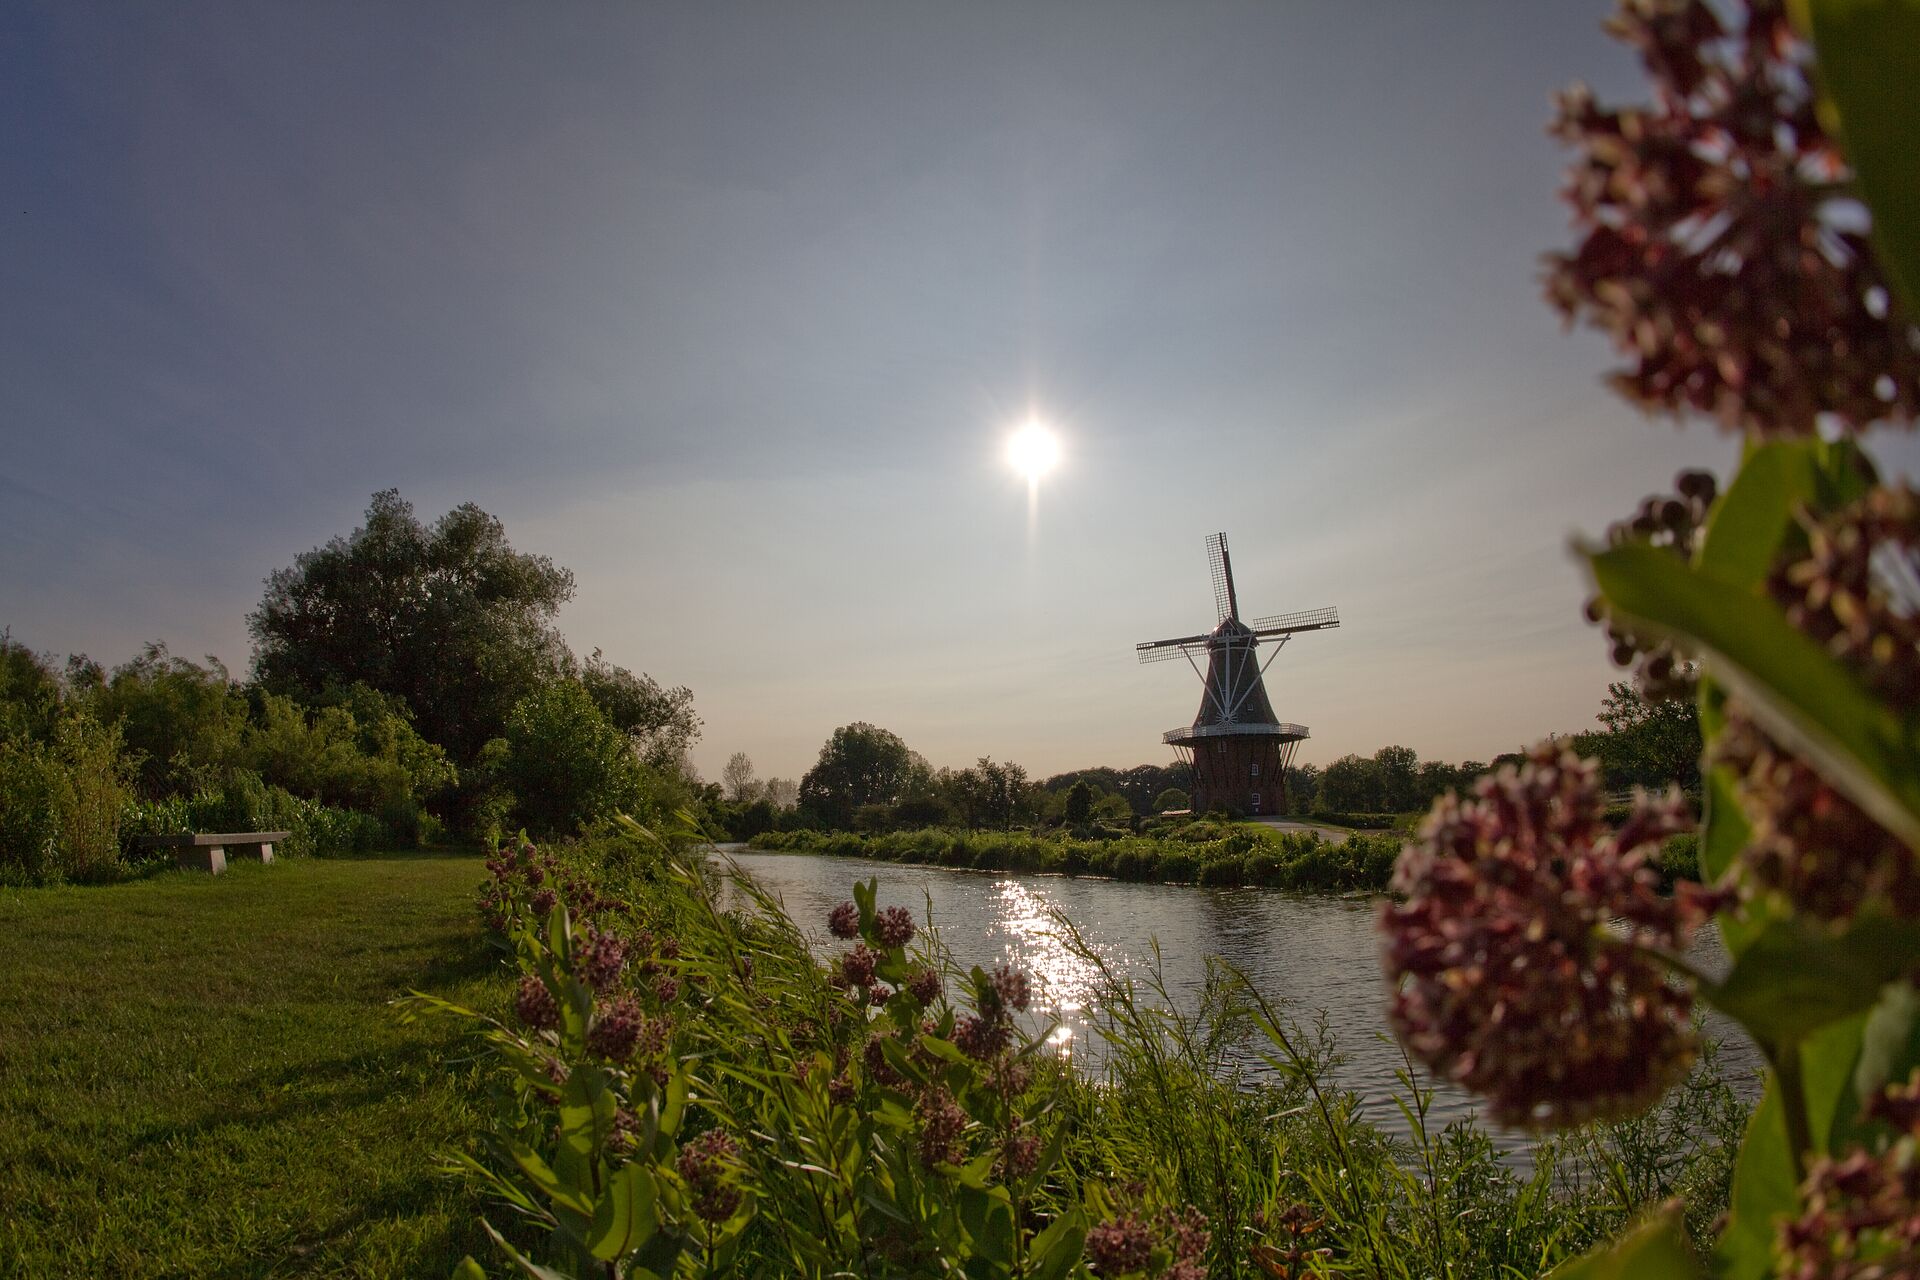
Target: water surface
[(1319, 955)]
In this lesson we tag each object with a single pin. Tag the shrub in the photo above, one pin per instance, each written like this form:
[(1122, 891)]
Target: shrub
[(567, 765), (61, 803)]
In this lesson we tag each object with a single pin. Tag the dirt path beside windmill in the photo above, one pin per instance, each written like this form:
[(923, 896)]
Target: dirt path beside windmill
[(1332, 835)]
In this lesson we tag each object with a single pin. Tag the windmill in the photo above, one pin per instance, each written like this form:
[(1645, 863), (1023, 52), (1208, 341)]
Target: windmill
[(1237, 748)]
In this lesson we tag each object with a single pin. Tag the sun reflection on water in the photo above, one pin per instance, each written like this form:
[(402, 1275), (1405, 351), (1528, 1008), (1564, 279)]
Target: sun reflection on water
[(1030, 938)]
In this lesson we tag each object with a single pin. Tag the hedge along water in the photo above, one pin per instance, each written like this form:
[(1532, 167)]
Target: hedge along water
[(1319, 954)]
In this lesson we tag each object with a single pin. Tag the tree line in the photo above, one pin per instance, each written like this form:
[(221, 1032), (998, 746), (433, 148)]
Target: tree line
[(408, 674)]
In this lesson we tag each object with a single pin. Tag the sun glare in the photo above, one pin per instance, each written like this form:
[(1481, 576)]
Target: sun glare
[(1033, 451)]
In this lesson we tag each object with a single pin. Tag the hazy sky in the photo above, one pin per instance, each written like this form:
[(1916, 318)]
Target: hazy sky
[(728, 309)]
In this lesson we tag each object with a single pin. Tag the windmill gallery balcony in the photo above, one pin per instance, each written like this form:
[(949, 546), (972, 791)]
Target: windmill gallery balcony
[(1188, 733)]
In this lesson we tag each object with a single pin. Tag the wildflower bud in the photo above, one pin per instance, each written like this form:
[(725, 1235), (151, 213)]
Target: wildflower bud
[(1019, 1151), (844, 921), (1508, 978), (666, 988), (857, 966), (1012, 987), (924, 985), (942, 1125), (543, 902), (625, 1135), (894, 926), (982, 1038), (601, 960), (616, 1030), (705, 1163), (535, 875), (874, 1058), (841, 1090), (535, 1004), (878, 994), (1118, 1246)]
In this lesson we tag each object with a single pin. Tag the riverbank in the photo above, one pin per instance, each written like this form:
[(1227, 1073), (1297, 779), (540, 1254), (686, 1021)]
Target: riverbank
[(1214, 856), (873, 1104)]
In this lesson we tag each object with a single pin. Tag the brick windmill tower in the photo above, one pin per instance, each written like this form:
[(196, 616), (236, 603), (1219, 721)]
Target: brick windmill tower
[(1238, 749)]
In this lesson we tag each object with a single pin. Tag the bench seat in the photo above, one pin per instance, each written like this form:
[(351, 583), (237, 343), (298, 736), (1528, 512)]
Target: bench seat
[(208, 851)]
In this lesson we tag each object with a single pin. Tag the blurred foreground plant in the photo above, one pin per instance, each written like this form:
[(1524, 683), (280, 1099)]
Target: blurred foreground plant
[(1751, 241)]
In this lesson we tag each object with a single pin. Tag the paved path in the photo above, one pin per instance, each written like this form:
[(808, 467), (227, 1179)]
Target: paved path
[(1332, 835)]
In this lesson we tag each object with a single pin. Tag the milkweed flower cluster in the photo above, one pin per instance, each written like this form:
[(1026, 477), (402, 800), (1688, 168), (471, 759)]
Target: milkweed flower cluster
[(535, 1004), (1851, 591), (943, 1124), (602, 958), (1127, 1242), (1523, 952), (1712, 249), (1861, 1212), (708, 1163), (843, 921), (894, 927), (1677, 523)]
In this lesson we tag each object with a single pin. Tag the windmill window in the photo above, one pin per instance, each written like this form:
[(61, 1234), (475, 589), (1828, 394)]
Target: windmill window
[(1220, 747), (1254, 769)]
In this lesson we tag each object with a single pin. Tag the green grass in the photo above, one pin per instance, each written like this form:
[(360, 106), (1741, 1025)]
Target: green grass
[(200, 1076)]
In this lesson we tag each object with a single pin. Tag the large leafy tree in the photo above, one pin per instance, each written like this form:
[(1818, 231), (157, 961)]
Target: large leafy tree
[(448, 617), (567, 766), (860, 764), (1649, 742), (660, 722)]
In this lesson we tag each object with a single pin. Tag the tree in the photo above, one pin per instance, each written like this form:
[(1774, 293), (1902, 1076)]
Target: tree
[(1649, 743), (1397, 769), (1350, 784), (183, 723), (738, 779), (1003, 791), (781, 793), (1171, 798), (859, 765), (1079, 804), (660, 722), (567, 765), (448, 618), (29, 693)]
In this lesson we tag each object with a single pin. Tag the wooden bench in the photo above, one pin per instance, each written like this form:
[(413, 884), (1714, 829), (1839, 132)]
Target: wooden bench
[(209, 852)]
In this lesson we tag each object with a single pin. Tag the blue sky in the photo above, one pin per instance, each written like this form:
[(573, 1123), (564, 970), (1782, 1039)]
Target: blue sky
[(728, 308)]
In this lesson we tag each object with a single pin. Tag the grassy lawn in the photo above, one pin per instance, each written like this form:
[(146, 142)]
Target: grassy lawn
[(200, 1076)]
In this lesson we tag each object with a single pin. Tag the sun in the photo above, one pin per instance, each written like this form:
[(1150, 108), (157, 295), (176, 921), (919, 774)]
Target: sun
[(1033, 450)]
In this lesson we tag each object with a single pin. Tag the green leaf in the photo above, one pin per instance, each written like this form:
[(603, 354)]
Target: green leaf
[(1828, 1059), (527, 1265), (1794, 977), (1764, 1189), (1889, 1043), (469, 1270), (1055, 1250), (1753, 518), (1655, 1250), (1790, 684), (623, 1219), (1869, 52), (543, 1177)]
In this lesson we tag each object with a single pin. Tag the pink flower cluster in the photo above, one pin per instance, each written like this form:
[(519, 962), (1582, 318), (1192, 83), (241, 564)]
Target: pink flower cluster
[(705, 1163), (1860, 1217), (1125, 1243), (1523, 948), (1715, 247)]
